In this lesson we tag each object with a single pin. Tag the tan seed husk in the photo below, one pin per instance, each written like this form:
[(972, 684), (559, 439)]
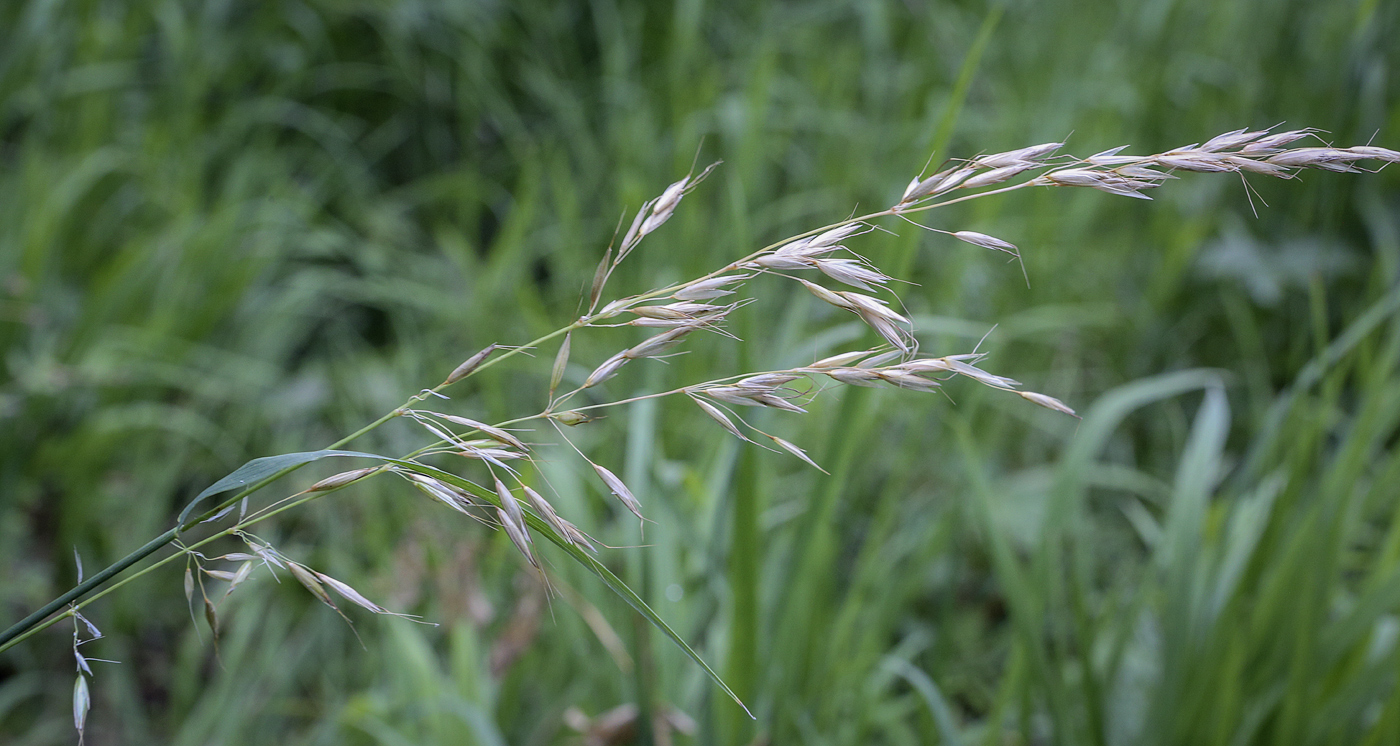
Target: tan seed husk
[(350, 594), (607, 370), (570, 418), (561, 361), (719, 416), (82, 702), (833, 236), (827, 295), (880, 359), (546, 512), (1011, 157), (670, 196), (238, 557), (843, 359), (471, 364), (600, 276), (906, 380), (798, 452), (619, 490), (307, 577), (1049, 402), (997, 175), (490, 431), (664, 313), (632, 236), (985, 241), (342, 479), (509, 503), (211, 615), (518, 535), (244, 572), (659, 343), (855, 376)]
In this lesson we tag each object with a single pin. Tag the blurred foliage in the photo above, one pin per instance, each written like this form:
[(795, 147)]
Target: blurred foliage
[(233, 229)]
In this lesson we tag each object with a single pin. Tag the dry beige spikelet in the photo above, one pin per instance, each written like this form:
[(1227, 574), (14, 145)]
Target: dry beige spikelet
[(471, 364)]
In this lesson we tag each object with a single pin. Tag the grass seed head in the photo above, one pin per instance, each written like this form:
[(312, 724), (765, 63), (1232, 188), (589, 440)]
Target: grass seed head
[(1380, 154), (1198, 162), (827, 295), (607, 370), (881, 359), (1049, 402), (342, 479), (998, 175), (509, 503), (662, 313), (767, 381), (561, 361), (600, 278), (708, 288), (1034, 153), (1110, 157), (570, 418), (836, 361), (1259, 167), (906, 380), (632, 236), (798, 452), (873, 306), (519, 536), (987, 242), (546, 511), (856, 376), (1274, 143), (852, 272), (1232, 140), (982, 376), (953, 181), (491, 431), (211, 616), (719, 416), (307, 578), (619, 490), (918, 190), (834, 236), (784, 262), (670, 197), (82, 702), (471, 364), (660, 343)]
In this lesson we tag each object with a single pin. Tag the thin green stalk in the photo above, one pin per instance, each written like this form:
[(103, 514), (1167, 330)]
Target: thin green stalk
[(11, 636), (68, 612)]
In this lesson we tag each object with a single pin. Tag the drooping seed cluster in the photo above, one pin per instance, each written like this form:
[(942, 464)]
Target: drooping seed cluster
[(1241, 151), (262, 555), (869, 368), (679, 311), (682, 310)]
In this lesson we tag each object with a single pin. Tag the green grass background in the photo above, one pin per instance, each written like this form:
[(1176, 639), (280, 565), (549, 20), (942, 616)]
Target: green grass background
[(234, 229)]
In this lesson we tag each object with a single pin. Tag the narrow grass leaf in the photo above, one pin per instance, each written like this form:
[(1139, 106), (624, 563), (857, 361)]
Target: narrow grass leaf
[(260, 469)]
